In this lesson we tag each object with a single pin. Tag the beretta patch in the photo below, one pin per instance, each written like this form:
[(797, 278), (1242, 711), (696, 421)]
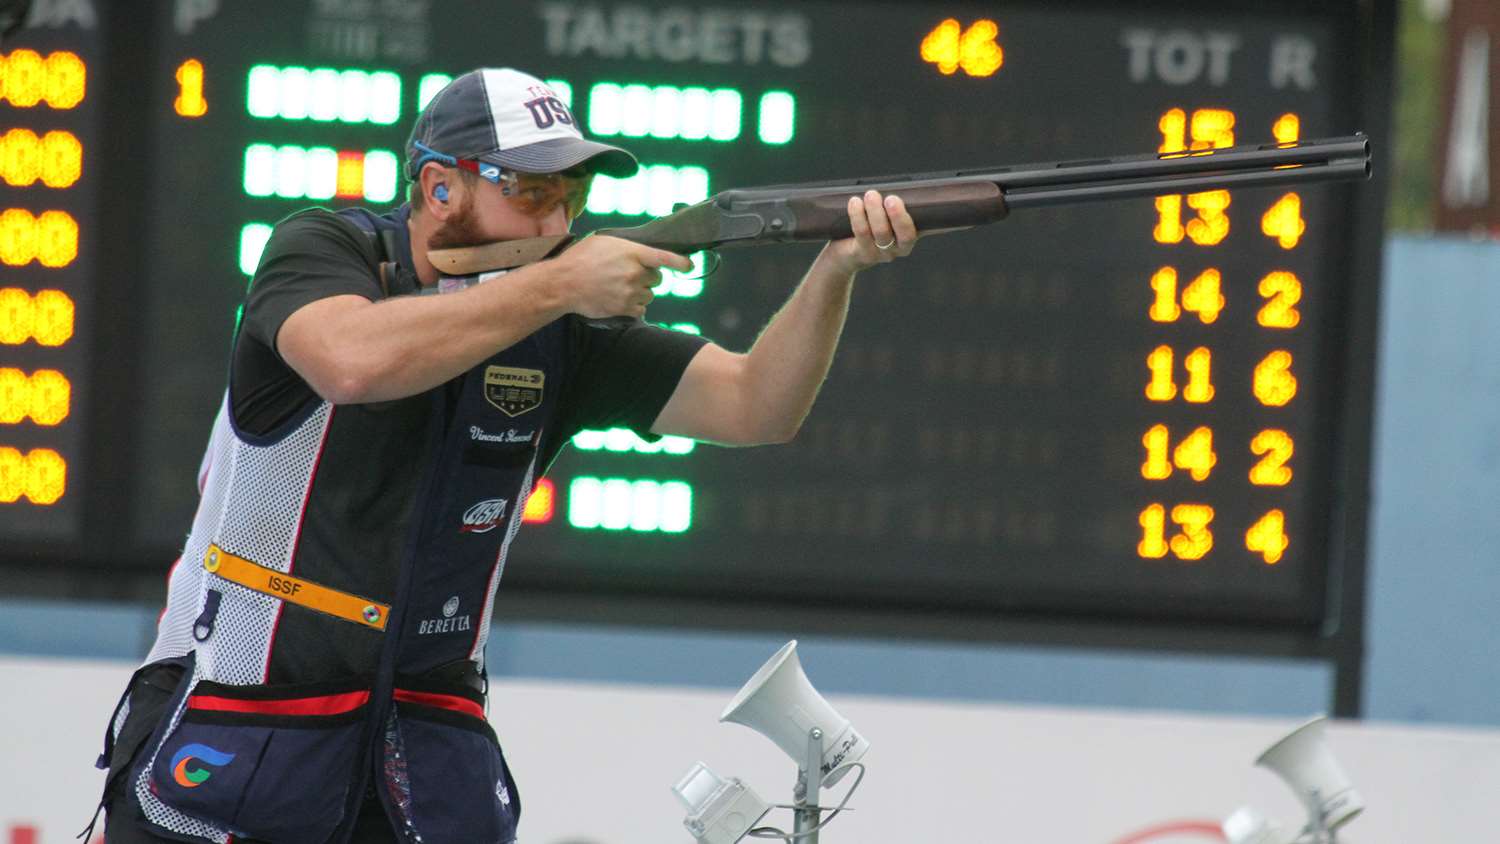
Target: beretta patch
[(514, 391)]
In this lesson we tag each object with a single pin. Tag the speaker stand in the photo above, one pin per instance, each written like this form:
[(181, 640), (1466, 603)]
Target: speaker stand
[(805, 811), (1317, 831)]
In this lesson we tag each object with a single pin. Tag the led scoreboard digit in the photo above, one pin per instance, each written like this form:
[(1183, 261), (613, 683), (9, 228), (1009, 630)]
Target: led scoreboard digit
[(47, 232), (1140, 409)]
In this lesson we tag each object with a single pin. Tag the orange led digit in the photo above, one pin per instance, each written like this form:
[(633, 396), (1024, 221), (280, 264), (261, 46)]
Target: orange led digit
[(1271, 470), (1160, 387), (1153, 544), (1287, 129), (190, 101), (20, 157), (66, 75), (1284, 291), (62, 159), (1268, 538), (57, 239), (46, 476), (1173, 125), (1196, 540), (1212, 224), (12, 475), (52, 317), (25, 79), (1196, 453), (17, 236), (15, 396), (1169, 227), (940, 47), (1274, 384), (1156, 467), (1212, 128), (1203, 298), (1199, 388), (51, 397), (17, 315), (979, 55), (1283, 221), (1164, 308)]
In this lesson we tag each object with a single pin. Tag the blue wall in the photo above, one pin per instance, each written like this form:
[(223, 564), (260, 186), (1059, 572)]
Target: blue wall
[(1435, 519), (1435, 583)]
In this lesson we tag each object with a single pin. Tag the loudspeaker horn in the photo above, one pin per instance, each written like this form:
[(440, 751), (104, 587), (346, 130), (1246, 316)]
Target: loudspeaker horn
[(780, 704), (1304, 762)]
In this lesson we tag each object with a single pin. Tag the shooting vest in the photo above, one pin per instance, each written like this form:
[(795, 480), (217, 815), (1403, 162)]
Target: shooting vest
[(332, 603)]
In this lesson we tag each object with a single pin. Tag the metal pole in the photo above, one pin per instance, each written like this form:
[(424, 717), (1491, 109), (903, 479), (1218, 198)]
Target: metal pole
[(806, 813)]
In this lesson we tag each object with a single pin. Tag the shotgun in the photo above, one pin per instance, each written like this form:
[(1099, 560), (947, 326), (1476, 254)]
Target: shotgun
[(945, 200)]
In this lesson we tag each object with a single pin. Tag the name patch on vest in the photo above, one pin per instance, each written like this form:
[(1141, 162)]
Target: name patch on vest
[(513, 391)]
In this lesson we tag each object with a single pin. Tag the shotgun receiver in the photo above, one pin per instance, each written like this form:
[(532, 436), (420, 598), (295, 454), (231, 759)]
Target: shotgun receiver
[(947, 200)]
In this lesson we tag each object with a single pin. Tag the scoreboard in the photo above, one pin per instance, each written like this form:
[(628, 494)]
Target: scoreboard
[(1149, 409)]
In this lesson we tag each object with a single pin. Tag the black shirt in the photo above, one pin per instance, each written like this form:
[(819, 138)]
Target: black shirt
[(621, 371)]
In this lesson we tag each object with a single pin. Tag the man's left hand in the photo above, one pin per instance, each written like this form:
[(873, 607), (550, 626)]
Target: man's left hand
[(877, 222)]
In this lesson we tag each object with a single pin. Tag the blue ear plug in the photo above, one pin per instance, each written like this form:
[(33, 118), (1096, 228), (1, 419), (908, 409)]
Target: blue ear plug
[(440, 193)]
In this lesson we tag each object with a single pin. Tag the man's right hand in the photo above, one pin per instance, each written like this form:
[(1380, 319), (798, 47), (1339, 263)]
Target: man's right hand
[(604, 276)]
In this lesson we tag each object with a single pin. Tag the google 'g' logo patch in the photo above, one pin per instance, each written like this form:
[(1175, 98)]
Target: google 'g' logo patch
[(194, 777)]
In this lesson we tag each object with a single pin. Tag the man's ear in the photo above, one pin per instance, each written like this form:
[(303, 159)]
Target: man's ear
[(435, 188)]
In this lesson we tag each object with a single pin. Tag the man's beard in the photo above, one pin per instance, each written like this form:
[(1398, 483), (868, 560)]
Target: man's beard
[(460, 230)]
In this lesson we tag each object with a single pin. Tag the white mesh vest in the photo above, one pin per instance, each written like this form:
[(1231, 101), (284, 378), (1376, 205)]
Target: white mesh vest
[(411, 504), (252, 500)]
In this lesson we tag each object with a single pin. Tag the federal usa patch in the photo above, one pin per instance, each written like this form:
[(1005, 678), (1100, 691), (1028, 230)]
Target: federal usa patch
[(514, 391)]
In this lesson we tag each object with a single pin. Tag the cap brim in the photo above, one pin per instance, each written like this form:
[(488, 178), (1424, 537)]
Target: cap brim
[(565, 153)]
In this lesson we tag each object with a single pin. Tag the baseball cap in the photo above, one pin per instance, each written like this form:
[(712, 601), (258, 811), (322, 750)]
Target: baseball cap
[(506, 117)]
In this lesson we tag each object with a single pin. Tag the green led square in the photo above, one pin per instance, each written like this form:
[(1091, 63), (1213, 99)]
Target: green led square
[(727, 109), (260, 170), (262, 92), (253, 237), (428, 87), (382, 175), (778, 117), (606, 107)]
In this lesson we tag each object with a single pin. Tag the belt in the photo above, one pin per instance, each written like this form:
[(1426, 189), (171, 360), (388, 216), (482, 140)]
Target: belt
[(296, 590)]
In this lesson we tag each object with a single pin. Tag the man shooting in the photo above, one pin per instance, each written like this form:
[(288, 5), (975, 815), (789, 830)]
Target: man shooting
[(318, 673)]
